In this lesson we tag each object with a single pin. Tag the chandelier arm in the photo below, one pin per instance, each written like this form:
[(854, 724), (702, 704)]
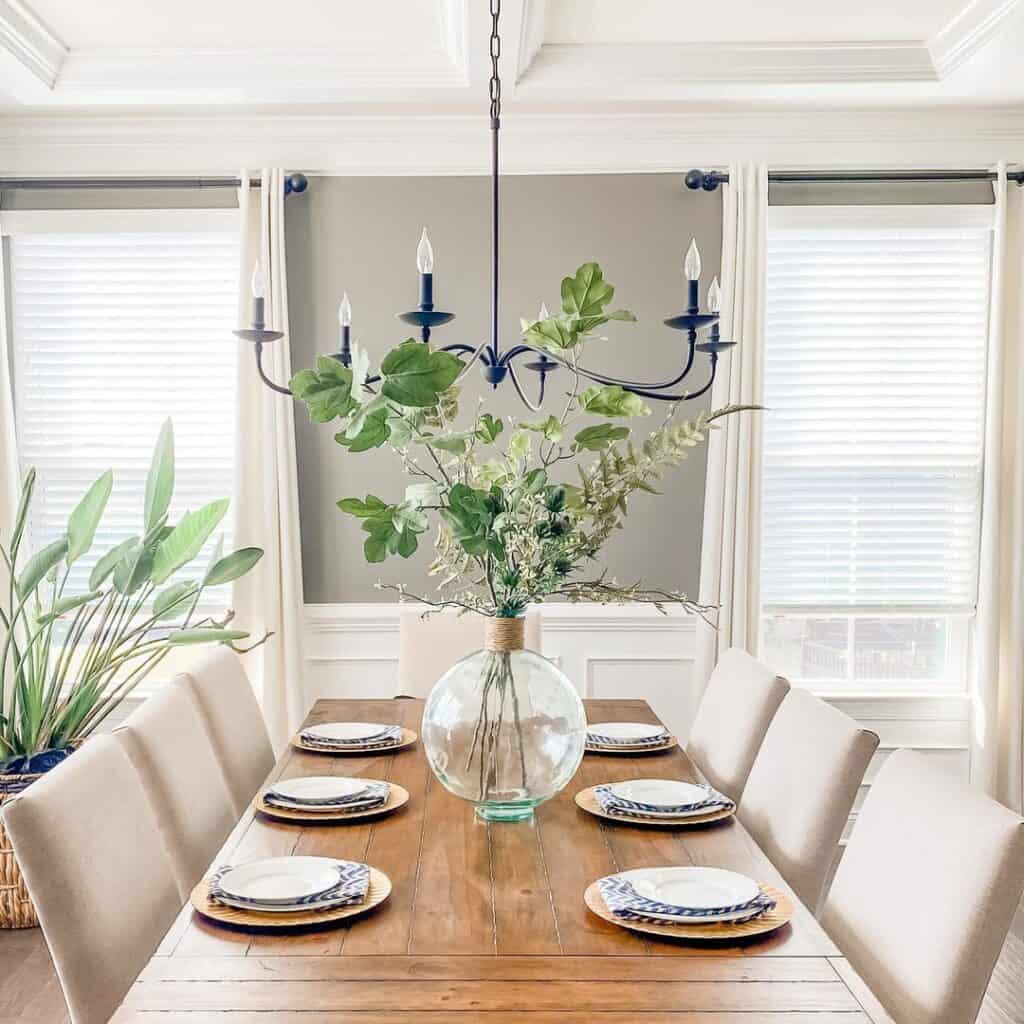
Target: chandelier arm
[(266, 380), (522, 394), (684, 396)]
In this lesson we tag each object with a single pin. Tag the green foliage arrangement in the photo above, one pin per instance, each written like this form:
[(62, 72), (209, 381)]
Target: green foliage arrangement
[(522, 509), (68, 659)]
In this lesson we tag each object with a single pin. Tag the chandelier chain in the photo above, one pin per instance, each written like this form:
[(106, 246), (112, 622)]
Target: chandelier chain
[(495, 83)]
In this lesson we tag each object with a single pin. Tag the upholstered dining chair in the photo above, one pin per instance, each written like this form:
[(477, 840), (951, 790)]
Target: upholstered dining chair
[(168, 743), (234, 720), (87, 842), (739, 702), (428, 647), (926, 890), (801, 789)]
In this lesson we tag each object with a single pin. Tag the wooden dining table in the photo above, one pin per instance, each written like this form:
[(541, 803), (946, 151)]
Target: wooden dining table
[(486, 922)]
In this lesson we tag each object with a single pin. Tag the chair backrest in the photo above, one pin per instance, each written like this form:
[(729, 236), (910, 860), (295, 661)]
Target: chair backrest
[(87, 842), (926, 891), (801, 789), (234, 721), (739, 702), (428, 647), (168, 743)]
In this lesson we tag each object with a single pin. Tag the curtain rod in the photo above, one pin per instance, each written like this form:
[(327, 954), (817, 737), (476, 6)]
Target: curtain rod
[(710, 180), (293, 183)]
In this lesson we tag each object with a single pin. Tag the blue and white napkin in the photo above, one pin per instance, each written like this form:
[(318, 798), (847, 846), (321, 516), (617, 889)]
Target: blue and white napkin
[(388, 737), (616, 741), (625, 902), (713, 801), (374, 794), (352, 887)]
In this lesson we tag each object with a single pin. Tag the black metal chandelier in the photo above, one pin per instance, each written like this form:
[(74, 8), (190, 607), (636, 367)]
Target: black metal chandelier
[(497, 364)]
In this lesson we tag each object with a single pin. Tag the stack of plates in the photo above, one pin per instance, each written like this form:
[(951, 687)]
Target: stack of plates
[(685, 896), (282, 885), (627, 736), (661, 799), (352, 736), (324, 794)]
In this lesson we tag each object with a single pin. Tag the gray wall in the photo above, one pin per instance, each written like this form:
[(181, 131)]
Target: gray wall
[(360, 235)]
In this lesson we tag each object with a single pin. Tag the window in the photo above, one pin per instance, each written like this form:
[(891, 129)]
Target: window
[(119, 321), (876, 328)]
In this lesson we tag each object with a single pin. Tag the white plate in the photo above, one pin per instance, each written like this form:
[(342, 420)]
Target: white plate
[(318, 787), (280, 879), (659, 793), (352, 732), (629, 731), (695, 888)]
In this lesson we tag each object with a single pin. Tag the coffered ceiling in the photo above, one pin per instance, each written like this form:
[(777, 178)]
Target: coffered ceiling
[(414, 54)]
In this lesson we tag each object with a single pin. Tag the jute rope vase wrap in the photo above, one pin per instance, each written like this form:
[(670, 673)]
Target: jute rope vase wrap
[(504, 728), (16, 910)]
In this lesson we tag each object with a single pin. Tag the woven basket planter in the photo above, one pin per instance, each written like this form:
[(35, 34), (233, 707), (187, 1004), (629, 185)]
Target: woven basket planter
[(16, 910)]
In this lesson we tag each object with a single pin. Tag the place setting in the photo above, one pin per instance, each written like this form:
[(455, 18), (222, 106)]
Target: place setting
[(288, 892), (329, 799), (628, 738), (664, 803), (353, 738), (689, 903)]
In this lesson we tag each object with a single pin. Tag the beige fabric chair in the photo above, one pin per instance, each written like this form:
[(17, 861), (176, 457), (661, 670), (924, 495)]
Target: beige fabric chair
[(428, 647), (170, 748), (234, 720), (87, 841), (739, 702), (926, 891), (802, 786)]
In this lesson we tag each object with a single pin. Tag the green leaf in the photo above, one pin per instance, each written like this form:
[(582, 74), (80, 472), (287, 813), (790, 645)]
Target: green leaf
[(557, 334), (518, 445), (612, 400), (184, 542), (372, 508), (106, 565), (160, 481), (232, 566), (327, 390), (373, 432), (39, 565), (133, 570), (382, 538), (422, 494), (455, 443), (28, 486), (593, 439), (587, 293), (86, 517), (489, 428), (172, 600), (205, 636), (402, 431), (67, 604), (551, 428), (407, 543), (416, 376), (408, 518)]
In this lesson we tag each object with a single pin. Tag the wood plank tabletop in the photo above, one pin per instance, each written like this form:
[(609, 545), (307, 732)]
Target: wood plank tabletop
[(487, 921)]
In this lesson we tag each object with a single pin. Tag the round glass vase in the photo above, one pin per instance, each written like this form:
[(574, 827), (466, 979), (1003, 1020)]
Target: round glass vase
[(504, 728)]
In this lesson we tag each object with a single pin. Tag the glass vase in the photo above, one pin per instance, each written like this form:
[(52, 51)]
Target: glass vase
[(504, 728)]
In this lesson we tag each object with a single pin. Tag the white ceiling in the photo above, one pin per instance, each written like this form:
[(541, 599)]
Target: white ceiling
[(415, 54)]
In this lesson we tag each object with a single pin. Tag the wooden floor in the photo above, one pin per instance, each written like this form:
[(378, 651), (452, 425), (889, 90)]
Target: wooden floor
[(29, 993)]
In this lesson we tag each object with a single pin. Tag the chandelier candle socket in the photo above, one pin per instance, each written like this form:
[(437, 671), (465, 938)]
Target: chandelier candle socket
[(425, 265), (345, 323), (258, 285)]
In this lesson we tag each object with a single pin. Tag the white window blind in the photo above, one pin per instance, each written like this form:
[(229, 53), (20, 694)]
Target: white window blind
[(874, 382), (112, 332)]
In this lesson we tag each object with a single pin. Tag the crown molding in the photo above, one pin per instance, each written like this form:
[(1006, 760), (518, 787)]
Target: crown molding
[(531, 35), (564, 142), (31, 56), (974, 27), (653, 67)]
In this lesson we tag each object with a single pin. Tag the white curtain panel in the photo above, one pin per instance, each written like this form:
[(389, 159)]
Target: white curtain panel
[(266, 501), (997, 754), (10, 484), (729, 563)]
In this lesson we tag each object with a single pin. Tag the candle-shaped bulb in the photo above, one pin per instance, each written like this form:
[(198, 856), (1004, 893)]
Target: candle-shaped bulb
[(258, 282), (425, 255), (345, 311), (692, 262), (715, 297), (543, 314)]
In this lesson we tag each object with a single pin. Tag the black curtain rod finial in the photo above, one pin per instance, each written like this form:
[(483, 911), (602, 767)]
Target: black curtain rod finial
[(707, 180)]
